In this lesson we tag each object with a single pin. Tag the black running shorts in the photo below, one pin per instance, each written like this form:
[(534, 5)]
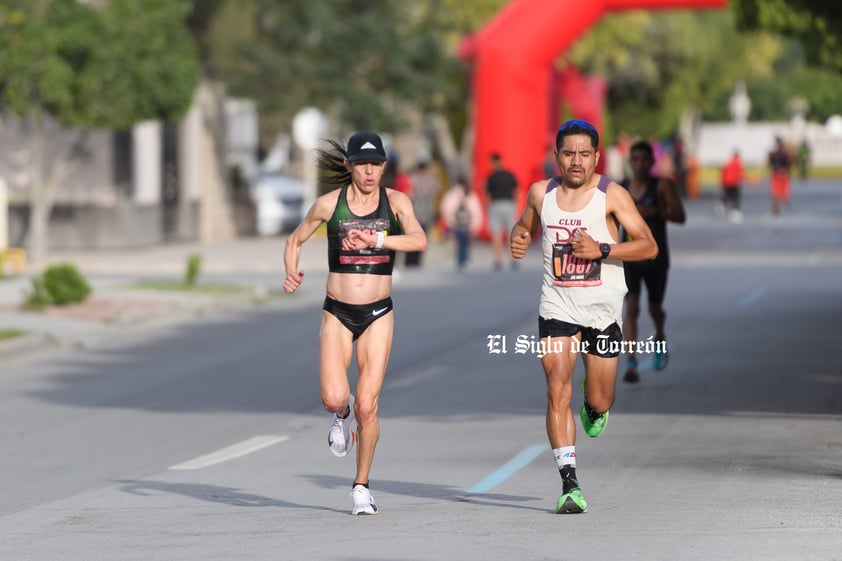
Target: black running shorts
[(357, 317), (605, 343), (652, 273)]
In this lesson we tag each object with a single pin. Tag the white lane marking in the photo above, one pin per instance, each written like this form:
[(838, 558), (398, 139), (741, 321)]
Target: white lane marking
[(231, 452)]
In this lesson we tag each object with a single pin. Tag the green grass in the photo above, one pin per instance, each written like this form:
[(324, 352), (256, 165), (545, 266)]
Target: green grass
[(712, 175), (823, 173), (10, 334), (212, 289), (221, 290)]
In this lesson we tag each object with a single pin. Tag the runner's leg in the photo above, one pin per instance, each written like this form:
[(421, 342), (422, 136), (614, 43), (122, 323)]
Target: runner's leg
[(558, 369), (335, 350), (373, 350)]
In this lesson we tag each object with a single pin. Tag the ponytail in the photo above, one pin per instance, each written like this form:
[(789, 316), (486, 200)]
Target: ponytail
[(331, 164)]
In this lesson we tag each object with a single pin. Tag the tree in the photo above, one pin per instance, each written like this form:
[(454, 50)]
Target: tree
[(816, 23), (660, 65), (361, 62), (69, 65)]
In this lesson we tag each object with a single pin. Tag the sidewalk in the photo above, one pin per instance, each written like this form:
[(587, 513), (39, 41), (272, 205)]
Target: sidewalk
[(251, 268)]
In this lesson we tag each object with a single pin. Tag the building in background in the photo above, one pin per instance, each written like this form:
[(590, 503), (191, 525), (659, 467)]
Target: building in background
[(158, 182)]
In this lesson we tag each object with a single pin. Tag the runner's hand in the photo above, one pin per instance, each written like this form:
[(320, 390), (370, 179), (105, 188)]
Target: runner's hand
[(519, 244), (585, 246), (358, 239), (293, 281)]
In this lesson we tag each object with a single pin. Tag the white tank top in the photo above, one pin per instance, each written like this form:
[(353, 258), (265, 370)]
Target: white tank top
[(579, 291)]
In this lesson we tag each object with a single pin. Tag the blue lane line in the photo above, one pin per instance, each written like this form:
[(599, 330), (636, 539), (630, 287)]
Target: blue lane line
[(751, 297), (508, 469)]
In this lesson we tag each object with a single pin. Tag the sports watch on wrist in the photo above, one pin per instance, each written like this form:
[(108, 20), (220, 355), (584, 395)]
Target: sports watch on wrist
[(605, 248)]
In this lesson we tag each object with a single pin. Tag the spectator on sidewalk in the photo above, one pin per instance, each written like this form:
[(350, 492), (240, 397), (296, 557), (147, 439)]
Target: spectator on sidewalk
[(462, 213), (425, 189), (500, 188)]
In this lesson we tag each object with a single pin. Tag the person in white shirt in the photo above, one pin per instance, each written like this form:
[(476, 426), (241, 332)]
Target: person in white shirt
[(579, 214)]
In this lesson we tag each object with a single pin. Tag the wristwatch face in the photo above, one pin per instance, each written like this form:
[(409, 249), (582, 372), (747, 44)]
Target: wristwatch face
[(605, 249)]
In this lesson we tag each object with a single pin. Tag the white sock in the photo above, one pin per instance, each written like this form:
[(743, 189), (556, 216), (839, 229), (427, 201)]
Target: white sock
[(565, 456)]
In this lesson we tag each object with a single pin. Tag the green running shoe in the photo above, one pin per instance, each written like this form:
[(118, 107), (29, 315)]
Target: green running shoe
[(597, 426), (571, 502)]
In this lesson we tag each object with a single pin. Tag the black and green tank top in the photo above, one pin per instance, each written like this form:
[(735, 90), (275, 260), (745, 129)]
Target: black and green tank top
[(367, 261)]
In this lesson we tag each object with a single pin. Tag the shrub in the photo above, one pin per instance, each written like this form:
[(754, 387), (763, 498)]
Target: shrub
[(10, 333), (65, 284), (36, 298), (194, 266)]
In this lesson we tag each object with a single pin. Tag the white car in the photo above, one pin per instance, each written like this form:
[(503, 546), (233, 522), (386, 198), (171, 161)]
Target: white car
[(279, 200)]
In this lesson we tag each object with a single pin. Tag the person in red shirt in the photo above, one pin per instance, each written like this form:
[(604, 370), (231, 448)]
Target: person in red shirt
[(394, 178), (733, 175), (780, 163)]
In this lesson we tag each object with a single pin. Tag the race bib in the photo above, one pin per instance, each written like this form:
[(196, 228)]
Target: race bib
[(569, 270), (367, 256)]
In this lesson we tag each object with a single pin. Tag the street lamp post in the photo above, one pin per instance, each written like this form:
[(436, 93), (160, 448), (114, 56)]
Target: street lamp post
[(308, 126)]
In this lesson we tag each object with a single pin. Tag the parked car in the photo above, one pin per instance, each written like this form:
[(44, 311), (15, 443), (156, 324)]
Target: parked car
[(279, 201)]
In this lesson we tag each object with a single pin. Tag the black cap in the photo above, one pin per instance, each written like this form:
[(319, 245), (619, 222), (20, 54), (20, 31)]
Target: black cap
[(366, 146)]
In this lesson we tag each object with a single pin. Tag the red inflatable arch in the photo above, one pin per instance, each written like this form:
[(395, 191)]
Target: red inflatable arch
[(513, 77)]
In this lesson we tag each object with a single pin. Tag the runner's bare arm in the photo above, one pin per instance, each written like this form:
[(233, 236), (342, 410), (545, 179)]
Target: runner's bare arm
[(529, 220), (642, 246), (413, 237), (670, 207), (320, 212)]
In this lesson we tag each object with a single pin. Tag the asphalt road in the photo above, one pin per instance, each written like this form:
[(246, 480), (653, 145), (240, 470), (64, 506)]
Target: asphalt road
[(207, 440)]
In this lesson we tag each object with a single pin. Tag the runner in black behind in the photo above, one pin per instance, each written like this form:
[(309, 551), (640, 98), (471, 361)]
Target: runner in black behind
[(366, 225), (658, 202)]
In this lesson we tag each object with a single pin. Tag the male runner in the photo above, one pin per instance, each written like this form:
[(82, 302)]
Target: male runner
[(366, 225), (583, 287), (780, 164), (658, 202)]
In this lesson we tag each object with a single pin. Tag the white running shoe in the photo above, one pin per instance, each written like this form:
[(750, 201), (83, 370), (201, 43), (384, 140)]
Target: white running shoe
[(363, 501), (735, 217), (341, 437)]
